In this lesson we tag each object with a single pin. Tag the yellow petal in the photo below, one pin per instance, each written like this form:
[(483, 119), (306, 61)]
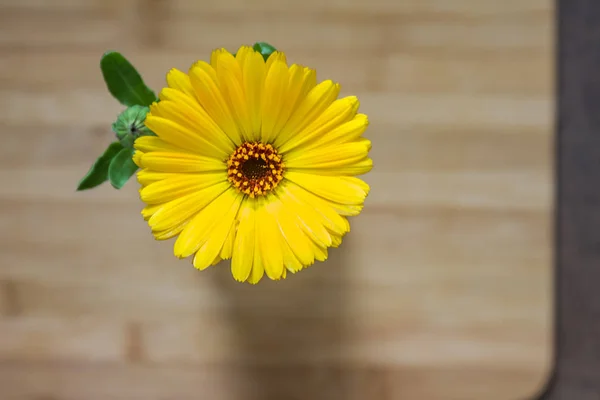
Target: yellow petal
[(268, 240), (227, 248), (206, 86), (217, 236), (336, 240), (180, 81), (274, 58), (329, 157), (291, 230), (215, 57), (171, 232), (222, 56), (290, 261), (184, 136), (242, 54), (171, 94), (307, 83), (146, 177), (299, 84), (309, 220), (183, 208), (146, 144), (178, 185), (149, 211), (358, 168), (186, 128), (340, 168), (334, 222), (339, 112), (321, 252), (206, 232), (313, 105), (258, 269), (243, 254), (276, 84), (254, 72), (347, 132), (202, 122), (137, 158), (230, 79), (338, 189), (349, 210), (180, 162)]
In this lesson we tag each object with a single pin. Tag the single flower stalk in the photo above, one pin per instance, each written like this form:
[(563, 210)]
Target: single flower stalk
[(253, 160), (126, 85)]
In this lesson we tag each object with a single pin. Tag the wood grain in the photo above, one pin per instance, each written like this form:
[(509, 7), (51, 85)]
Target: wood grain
[(443, 289)]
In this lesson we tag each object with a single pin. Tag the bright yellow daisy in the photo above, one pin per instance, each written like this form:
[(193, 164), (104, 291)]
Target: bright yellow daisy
[(253, 161)]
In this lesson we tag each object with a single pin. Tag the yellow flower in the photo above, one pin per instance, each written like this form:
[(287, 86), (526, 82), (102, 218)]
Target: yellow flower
[(253, 161)]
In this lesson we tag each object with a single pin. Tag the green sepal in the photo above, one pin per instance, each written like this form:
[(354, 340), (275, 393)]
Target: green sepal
[(124, 82), (121, 168), (264, 48), (98, 173)]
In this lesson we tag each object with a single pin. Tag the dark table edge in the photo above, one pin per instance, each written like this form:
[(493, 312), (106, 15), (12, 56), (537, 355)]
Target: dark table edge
[(576, 372)]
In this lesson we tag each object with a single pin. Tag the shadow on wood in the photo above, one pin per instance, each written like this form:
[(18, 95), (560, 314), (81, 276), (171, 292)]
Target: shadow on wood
[(290, 332)]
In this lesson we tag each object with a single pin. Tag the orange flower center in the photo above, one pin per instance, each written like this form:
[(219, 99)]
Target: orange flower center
[(255, 168)]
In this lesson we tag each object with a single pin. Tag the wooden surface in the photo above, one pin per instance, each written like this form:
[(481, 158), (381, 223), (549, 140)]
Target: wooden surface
[(443, 289)]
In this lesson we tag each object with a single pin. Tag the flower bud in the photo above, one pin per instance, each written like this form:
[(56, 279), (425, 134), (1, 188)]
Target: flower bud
[(130, 125)]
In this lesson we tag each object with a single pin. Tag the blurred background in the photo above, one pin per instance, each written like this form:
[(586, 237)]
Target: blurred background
[(443, 289)]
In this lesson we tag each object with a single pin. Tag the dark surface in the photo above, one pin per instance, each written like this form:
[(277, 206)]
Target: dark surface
[(577, 371)]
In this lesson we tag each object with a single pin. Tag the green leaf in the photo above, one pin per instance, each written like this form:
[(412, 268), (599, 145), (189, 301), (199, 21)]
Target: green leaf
[(98, 173), (121, 168), (124, 82), (264, 48)]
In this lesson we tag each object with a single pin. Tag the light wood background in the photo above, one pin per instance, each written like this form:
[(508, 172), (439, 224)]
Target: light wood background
[(443, 289)]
